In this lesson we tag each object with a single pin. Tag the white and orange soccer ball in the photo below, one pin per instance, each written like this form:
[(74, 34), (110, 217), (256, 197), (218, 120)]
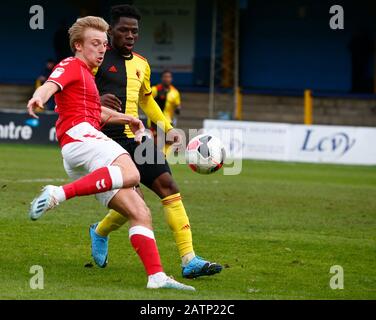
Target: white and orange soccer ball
[(205, 154)]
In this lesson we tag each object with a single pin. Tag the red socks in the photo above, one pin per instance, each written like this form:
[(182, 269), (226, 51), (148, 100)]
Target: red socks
[(142, 238), (100, 180), (144, 244)]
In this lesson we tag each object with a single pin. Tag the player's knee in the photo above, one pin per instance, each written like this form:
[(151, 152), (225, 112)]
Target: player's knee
[(143, 216), (173, 187), (168, 185), (134, 178), (131, 177), (146, 215)]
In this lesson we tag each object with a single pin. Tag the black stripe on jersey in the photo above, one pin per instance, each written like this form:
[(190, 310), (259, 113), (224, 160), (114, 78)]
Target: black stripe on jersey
[(112, 78)]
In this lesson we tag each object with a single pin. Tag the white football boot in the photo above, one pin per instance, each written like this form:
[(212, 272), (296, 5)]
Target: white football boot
[(162, 281), (45, 201)]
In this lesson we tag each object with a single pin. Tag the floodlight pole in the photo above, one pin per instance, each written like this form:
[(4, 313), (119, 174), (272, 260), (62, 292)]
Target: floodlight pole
[(212, 61), (237, 93), (374, 68)]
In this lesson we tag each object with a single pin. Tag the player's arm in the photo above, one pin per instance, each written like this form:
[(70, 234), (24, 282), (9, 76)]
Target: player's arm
[(111, 101), (149, 105), (41, 96), (154, 91), (152, 109), (109, 116), (177, 103), (64, 73), (154, 112)]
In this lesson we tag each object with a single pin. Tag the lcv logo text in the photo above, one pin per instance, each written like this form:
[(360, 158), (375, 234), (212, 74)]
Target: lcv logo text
[(338, 143)]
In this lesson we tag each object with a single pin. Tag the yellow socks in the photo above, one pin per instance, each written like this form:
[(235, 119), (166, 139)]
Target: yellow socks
[(178, 222), (111, 222)]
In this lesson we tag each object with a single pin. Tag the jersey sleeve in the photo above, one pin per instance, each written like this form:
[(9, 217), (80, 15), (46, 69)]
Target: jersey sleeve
[(154, 112), (177, 99), (145, 88), (154, 91), (64, 73)]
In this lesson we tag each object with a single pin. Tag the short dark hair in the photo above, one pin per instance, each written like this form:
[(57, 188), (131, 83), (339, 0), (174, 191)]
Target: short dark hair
[(165, 71), (124, 10)]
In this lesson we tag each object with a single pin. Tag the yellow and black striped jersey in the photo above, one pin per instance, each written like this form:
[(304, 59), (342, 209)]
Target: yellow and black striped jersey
[(129, 79)]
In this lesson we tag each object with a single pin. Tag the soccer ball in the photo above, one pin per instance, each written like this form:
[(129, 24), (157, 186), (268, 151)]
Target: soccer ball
[(205, 154)]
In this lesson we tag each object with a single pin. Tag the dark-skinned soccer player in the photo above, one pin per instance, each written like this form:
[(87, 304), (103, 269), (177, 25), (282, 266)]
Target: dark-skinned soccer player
[(123, 81)]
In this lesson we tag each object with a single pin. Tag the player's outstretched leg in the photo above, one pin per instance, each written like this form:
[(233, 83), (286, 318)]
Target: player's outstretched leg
[(141, 236), (98, 181)]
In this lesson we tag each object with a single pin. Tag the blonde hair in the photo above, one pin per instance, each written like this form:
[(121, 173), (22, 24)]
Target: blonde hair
[(76, 31)]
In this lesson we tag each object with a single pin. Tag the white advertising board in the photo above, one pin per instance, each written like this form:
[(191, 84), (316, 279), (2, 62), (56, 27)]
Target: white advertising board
[(301, 143)]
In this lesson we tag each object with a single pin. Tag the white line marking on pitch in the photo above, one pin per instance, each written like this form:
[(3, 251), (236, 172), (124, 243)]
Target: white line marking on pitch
[(34, 180)]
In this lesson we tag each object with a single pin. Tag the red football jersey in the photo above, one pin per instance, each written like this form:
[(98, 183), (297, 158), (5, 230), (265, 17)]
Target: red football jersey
[(78, 99)]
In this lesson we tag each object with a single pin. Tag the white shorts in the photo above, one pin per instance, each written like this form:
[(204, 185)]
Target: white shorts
[(94, 150)]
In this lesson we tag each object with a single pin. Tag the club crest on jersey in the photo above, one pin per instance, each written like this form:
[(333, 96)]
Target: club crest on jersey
[(57, 73), (138, 73)]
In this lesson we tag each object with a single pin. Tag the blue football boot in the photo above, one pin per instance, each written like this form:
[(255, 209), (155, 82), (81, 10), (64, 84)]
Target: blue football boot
[(99, 247), (198, 267)]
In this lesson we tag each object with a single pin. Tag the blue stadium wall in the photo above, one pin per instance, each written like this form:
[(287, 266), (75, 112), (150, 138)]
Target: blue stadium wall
[(285, 45), (289, 44)]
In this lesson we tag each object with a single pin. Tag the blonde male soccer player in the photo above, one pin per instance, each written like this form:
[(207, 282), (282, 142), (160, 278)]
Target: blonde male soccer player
[(123, 81), (99, 165)]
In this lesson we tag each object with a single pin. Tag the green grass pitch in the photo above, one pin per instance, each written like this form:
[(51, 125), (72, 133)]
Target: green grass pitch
[(277, 228)]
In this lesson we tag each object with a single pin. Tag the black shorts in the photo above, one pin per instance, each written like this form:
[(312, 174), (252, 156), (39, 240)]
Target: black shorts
[(148, 171)]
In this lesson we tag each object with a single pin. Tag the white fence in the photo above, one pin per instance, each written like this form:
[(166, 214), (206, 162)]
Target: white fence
[(302, 143)]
